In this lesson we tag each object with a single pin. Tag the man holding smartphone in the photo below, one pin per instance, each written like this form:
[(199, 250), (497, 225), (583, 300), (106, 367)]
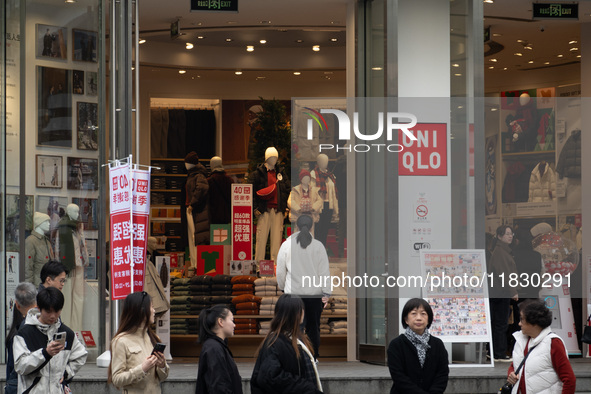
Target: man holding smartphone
[(47, 354)]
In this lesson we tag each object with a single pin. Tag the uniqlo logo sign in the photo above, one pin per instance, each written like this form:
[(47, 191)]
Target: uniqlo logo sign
[(427, 156), (142, 186)]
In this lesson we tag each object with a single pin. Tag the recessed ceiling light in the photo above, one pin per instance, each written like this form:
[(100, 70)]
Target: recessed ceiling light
[(70, 1), (258, 78), (559, 55), (489, 1), (492, 60), (142, 41), (518, 54), (297, 73), (263, 41), (376, 68), (578, 55), (249, 48), (232, 22), (334, 39), (192, 77), (574, 49), (316, 48), (497, 35), (528, 47), (505, 69), (493, 109), (531, 61), (182, 71), (228, 40), (335, 22), (200, 37), (455, 65), (546, 63), (189, 45), (520, 41), (572, 42), (265, 22), (328, 73), (491, 67), (458, 75), (299, 41), (132, 68), (238, 72)]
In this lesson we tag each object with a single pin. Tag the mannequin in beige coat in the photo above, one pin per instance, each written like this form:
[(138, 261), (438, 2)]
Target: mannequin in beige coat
[(134, 369), (305, 199)]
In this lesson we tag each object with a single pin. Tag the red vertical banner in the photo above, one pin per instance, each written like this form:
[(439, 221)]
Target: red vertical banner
[(141, 214), (120, 226), (241, 221)]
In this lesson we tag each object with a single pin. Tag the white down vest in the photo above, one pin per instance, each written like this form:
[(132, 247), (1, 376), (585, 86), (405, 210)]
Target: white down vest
[(540, 376)]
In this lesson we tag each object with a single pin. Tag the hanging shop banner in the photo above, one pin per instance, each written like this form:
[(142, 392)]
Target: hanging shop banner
[(427, 156), (121, 252), (214, 5), (141, 215), (555, 11), (241, 221)]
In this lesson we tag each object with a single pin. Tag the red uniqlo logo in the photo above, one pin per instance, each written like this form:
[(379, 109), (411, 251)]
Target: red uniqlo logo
[(115, 183), (427, 156), (142, 186)]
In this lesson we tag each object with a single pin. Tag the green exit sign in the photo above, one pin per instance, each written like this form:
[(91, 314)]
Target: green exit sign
[(214, 5), (555, 11)]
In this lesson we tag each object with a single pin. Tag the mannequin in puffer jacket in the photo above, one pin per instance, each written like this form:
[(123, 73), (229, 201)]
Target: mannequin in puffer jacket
[(542, 183), (569, 162), (197, 197)]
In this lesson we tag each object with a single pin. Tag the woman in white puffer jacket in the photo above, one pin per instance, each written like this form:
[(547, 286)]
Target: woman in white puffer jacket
[(548, 370)]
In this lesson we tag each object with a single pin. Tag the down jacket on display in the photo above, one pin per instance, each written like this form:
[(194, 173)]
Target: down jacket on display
[(542, 183), (197, 195), (569, 162)]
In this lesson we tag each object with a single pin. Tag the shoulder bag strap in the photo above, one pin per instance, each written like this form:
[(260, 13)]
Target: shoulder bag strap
[(523, 361), (35, 381)]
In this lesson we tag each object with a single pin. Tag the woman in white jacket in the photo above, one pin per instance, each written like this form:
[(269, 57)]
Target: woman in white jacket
[(302, 269), (548, 370), (134, 367)]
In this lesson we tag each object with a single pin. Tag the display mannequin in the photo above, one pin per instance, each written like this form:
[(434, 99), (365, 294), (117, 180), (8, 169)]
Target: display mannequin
[(272, 187), (38, 250), (73, 255), (327, 183), (305, 199), (197, 194), (220, 193), (523, 126)]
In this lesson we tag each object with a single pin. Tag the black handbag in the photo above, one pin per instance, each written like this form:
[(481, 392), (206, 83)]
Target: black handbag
[(587, 331), (508, 387)]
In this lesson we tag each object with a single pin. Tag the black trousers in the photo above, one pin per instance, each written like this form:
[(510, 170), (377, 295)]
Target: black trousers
[(313, 309), (321, 228), (499, 311)]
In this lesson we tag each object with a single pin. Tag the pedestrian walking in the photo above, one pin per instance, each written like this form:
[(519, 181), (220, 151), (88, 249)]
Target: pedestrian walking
[(285, 364), (302, 269), (47, 353), (418, 361), (548, 371), (25, 296), (217, 371), (135, 365)]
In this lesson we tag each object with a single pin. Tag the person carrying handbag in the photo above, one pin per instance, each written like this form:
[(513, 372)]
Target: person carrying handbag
[(549, 372)]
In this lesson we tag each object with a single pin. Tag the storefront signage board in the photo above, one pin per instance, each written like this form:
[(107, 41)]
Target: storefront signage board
[(141, 215), (427, 156), (241, 221)]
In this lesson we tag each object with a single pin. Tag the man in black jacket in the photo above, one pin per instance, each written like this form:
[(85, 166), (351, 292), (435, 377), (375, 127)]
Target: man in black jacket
[(272, 187)]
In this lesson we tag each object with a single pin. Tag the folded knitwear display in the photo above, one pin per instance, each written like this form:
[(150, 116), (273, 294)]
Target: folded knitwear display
[(266, 312), (221, 293), (201, 280), (243, 287), (338, 331), (180, 300), (200, 288), (269, 300), (264, 331), (225, 286), (267, 281), (222, 279), (246, 327), (266, 293), (246, 298), (238, 293), (247, 312), (245, 321), (246, 332), (324, 331), (180, 288), (265, 288), (175, 293), (180, 281), (338, 324), (224, 299), (201, 300), (247, 306), (243, 279), (267, 307), (265, 324)]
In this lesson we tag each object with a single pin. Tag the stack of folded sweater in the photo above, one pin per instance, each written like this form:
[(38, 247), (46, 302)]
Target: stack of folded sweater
[(184, 326), (324, 327), (243, 284), (265, 327), (180, 297), (221, 285), (338, 327), (339, 305), (266, 287), (200, 285), (268, 305), (246, 304)]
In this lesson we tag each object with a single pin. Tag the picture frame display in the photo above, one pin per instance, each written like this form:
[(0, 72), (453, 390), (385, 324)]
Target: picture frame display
[(91, 83), (84, 45), (87, 125), (52, 42), (77, 81), (88, 212), (48, 171), (54, 125), (82, 173)]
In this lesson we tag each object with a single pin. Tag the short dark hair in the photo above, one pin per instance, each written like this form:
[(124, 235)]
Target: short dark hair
[(536, 313), (52, 269), (50, 299), (415, 303)]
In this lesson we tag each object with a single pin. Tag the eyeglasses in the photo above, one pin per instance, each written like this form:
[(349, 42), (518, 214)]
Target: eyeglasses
[(63, 281)]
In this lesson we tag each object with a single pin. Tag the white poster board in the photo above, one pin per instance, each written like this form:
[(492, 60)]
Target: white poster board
[(456, 287), (163, 324), (11, 282)]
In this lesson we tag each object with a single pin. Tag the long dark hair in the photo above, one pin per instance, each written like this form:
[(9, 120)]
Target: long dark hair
[(208, 318), (288, 315), (304, 223), (135, 315), (17, 319)]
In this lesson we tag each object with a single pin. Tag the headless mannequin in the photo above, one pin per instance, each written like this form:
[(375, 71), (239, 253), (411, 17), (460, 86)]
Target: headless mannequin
[(304, 199), (326, 182), (72, 253), (38, 251)]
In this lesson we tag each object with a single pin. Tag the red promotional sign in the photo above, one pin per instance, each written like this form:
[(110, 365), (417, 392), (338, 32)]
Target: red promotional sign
[(241, 221), (427, 156), (88, 339), (141, 214), (120, 203), (210, 260)]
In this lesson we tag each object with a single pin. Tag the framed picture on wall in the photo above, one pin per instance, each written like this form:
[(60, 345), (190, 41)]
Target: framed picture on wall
[(77, 81), (82, 173), (88, 212), (87, 126), (54, 119), (90, 271), (52, 42), (48, 171), (84, 48), (91, 83)]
